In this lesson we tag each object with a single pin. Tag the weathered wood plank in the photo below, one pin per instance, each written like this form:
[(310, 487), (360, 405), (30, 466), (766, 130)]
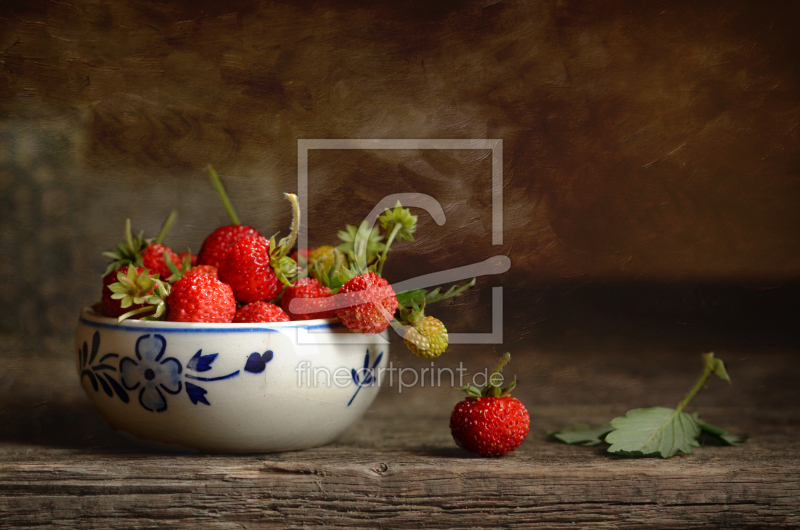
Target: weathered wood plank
[(60, 465)]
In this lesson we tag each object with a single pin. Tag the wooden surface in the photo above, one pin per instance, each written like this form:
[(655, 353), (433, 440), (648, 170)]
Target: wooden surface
[(60, 465)]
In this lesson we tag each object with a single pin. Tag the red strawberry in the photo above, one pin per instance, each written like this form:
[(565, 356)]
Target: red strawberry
[(207, 270), (220, 240), (260, 312), (201, 298), (371, 303), (306, 288), (245, 266), (153, 259), (490, 422), (112, 307)]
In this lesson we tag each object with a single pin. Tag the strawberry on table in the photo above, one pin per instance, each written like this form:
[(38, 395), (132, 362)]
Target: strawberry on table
[(201, 298), (260, 312), (490, 422)]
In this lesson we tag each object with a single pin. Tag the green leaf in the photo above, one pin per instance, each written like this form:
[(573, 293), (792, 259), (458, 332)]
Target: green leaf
[(582, 434), (656, 431), (719, 434), (423, 297)]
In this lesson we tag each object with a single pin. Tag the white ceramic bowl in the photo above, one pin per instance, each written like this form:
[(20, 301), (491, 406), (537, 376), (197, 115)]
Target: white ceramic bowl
[(229, 387)]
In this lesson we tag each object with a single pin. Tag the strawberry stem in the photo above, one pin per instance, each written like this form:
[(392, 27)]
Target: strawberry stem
[(389, 242), (128, 236), (223, 196), (166, 226)]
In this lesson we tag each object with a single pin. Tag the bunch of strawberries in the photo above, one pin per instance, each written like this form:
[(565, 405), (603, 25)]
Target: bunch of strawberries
[(241, 276)]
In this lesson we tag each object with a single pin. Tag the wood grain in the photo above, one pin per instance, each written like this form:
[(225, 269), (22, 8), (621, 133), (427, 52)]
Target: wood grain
[(399, 468)]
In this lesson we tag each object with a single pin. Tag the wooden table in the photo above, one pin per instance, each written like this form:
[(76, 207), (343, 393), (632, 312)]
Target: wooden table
[(61, 465)]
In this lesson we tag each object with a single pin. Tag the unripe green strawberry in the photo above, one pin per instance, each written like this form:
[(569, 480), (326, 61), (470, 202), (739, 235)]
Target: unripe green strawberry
[(427, 338)]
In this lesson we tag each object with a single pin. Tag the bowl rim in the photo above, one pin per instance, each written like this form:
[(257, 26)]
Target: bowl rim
[(91, 317)]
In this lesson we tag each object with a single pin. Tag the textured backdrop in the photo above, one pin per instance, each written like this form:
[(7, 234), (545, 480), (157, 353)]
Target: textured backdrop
[(649, 144)]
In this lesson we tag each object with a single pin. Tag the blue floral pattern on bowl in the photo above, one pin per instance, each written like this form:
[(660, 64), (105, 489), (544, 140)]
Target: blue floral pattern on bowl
[(152, 374), (152, 377)]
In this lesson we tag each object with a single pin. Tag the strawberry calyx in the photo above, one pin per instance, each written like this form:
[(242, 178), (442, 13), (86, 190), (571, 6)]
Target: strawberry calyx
[(493, 388), (177, 273), (134, 288), (400, 225), (128, 252)]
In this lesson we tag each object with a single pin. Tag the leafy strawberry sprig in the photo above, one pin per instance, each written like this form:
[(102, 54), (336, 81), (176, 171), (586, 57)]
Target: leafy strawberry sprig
[(656, 431)]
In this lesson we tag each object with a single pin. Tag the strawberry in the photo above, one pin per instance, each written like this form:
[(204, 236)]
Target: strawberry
[(154, 259), (130, 291), (208, 270), (112, 307), (427, 338), (220, 240), (490, 422), (246, 267), (201, 298), (311, 294), (371, 304), (260, 312)]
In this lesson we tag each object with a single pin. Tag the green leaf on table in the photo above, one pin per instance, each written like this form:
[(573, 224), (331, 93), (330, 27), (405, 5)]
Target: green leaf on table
[(582, 434), (657, 431), (719, 434)]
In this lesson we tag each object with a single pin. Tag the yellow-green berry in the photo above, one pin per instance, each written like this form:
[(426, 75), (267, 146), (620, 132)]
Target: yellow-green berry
[(427, 338)]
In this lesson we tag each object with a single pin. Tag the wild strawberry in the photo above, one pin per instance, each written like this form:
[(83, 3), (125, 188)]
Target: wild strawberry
[(133, 291), (201, 298), (154, 259), (311, 295), (427, 338), (207, 270), (490, 422), (246, 267), (260, 312), (371, 303), (220, 240), (112, 307)]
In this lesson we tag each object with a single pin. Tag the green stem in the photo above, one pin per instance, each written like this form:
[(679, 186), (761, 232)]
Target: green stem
[(287, 242), (697, 386), (223, 196), (389, 242), (166, 226), (128, 236)]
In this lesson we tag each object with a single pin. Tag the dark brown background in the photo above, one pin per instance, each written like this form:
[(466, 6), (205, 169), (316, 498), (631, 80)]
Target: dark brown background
[(651, 168)]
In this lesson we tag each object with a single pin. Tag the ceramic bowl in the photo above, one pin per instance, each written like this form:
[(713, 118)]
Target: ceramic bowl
[(229, 387)]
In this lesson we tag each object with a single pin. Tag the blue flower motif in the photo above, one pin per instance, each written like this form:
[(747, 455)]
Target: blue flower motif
[(151, 373)]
